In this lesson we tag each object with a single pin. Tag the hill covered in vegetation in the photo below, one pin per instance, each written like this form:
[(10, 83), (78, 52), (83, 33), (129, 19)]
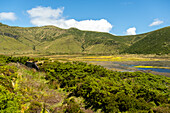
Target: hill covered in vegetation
[(77, 87), (52, 40), (155, 42)]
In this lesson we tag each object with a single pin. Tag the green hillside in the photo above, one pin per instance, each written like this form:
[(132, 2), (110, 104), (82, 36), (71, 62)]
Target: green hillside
[(50, 39), (154, 42)]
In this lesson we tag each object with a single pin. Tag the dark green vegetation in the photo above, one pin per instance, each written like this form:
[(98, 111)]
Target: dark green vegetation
[(27, 90), (53, 40), (155, 42)]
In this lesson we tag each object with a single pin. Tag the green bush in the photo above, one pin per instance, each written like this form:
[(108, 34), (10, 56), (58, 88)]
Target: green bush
[(108, 90), (8, 101), (72, 107)]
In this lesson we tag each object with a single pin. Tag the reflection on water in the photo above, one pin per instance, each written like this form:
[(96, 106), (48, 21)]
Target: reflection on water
[(148, 63), (129, 66), (156, 69)]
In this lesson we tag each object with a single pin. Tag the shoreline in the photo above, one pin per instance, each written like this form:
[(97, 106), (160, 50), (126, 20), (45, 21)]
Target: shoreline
[(125, 67)]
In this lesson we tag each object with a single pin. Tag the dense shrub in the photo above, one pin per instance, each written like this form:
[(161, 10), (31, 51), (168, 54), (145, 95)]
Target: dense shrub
[(8, 59), (101, 89), (9, 102), (107, 90)]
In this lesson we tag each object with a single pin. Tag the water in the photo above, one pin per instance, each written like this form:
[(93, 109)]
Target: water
[(147, 63), (128, 66), (156, 69)]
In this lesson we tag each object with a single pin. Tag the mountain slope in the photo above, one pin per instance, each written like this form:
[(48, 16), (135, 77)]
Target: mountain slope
[(50, 39), (155, 42)]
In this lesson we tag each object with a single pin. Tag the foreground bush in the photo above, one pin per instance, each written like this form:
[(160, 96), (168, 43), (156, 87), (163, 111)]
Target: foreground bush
[(100, 88), (108, 90), (9, 102)]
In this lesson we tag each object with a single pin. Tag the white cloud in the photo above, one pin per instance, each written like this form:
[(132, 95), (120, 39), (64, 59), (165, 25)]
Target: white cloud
[(131, 31), (156, 22), (41, 16), (45, 12), (7, 16)]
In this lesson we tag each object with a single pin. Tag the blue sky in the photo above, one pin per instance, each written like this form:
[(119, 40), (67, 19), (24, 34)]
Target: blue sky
[(119, 17)]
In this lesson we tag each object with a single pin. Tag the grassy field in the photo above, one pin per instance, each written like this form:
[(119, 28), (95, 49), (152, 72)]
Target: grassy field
[(109, 62), (119, 58)]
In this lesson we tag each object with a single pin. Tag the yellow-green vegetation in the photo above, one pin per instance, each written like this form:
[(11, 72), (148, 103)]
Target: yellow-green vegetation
[(28, 91), (119, 58), (111, 58), (77, 87), (152, 67), (52, 40), (80, 57), (25, 90)]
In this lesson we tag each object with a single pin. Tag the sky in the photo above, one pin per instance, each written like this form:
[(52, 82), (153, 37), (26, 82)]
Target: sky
[(118, 17)]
